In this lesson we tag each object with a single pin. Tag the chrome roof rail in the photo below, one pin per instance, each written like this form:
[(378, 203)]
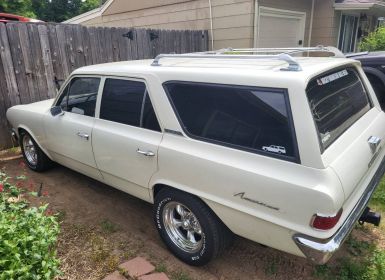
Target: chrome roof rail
[(320, 48), (283, 54), (293, 64)]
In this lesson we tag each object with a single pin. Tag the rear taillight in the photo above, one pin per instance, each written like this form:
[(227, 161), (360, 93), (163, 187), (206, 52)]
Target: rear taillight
[(325, 222)]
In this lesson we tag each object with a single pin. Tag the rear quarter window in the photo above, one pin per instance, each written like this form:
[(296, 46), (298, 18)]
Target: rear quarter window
[(337, 99), (247, 118)]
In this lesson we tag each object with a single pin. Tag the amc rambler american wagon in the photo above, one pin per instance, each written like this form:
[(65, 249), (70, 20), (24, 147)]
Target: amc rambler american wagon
[(285, 151)]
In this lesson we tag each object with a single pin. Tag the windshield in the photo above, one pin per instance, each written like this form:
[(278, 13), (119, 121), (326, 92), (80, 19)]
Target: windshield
[(337, 99)]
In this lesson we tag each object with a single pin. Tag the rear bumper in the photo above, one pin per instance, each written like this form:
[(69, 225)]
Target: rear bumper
[(321, 250)]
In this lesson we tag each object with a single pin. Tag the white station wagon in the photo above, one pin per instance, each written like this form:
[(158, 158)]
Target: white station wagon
[(187, 133)]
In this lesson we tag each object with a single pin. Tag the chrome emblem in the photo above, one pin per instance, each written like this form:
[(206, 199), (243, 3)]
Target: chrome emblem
[(374, 142)]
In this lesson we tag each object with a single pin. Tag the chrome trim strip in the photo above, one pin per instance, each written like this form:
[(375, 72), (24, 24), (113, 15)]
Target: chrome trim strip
[(320, 250)]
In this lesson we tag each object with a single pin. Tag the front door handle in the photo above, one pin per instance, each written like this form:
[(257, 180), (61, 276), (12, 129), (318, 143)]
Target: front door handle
[(83, 135), (145, 153)]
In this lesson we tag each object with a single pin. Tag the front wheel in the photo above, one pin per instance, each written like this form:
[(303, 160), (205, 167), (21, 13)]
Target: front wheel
[(189, 228), (33, 155)]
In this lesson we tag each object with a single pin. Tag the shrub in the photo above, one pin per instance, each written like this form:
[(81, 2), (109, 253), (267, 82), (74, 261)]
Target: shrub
[(27, 237), (375, 41)]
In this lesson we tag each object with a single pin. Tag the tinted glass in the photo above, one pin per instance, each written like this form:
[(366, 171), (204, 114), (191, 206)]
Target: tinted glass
[(244, 117), (122, 101), (79, 96), (337, 100), (149, 119)]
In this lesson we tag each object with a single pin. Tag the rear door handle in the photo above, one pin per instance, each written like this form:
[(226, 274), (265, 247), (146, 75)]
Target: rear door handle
[(145, 153), (83, 135)]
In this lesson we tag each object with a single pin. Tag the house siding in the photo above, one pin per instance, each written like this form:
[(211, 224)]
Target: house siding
[(232, 19), (326, 24)]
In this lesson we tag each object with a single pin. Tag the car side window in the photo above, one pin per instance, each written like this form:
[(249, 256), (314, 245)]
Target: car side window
[(127, 102), (80, 95), (247, 118)]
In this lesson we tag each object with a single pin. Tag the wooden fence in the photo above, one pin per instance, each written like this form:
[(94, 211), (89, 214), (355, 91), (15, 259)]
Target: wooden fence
[(34, 57)]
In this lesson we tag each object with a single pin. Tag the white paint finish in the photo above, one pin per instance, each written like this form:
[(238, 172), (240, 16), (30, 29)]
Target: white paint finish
[(64, 144), (115, 148), (213, 172)]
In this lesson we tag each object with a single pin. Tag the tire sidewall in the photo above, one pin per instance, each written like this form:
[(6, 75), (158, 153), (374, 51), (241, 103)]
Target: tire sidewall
[(206, 252), (33, 167)]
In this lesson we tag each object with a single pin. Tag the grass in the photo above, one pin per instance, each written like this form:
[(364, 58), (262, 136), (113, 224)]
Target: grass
[(272, 268), (180, 275), (161, 267), (108, 227)]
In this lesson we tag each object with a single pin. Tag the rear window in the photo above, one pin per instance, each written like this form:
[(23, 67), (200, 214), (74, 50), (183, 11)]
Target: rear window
[(247, 118), (337, 99)]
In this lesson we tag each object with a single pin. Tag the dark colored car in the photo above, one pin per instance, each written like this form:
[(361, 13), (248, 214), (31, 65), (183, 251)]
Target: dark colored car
[(373, 64), (12, 18)]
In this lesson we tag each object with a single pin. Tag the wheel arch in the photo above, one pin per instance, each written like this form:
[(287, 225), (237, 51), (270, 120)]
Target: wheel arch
[(157, 187), (26, 129)]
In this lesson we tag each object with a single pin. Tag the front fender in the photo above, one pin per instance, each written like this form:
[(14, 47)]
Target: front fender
[(23, 127)]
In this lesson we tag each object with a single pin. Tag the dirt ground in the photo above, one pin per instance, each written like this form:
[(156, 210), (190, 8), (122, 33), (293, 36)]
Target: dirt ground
[(102, 227)]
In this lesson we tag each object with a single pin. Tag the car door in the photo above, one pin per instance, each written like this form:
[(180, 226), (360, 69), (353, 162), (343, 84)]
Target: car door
[(69, 136), (126, 136)]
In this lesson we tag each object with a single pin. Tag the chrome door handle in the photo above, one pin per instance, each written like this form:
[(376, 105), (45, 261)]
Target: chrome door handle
[(83, 135), (145, 153)]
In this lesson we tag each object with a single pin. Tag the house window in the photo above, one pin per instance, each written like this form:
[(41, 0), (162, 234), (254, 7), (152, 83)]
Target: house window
[(348, 33)]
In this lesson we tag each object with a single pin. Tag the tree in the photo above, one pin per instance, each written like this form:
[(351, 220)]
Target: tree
[(49, 10), (18, 7), (375, 41)]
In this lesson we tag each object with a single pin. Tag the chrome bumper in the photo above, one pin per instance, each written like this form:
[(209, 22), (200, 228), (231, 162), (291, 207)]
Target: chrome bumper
[(320, 250), (14, 136)]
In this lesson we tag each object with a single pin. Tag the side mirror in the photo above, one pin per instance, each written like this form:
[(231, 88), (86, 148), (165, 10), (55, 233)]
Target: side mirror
[(56, 111)]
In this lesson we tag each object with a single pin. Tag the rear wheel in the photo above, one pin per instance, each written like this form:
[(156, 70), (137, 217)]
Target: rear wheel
[(189, 228), (33, 155)]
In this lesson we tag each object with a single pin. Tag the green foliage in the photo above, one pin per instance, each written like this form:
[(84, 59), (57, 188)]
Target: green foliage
[(368, 265), (375, 41), (28, 237), (18, 7), (378, 198), (49, 10), (108, 227)]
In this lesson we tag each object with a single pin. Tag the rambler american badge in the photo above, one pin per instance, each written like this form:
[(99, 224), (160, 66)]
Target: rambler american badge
[(330, 78), (242, 196)]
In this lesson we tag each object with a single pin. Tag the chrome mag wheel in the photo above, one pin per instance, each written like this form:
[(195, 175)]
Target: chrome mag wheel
[(30, 151), (183, 227)]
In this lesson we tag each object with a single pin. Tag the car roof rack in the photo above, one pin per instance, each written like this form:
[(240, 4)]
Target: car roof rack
[(283, 54)]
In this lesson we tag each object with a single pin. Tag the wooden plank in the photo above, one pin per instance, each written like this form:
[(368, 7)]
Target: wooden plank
[(55, 54), (69, 47), (38, 66), (75, 46), (115, 44), (101, 48), (5, 139), (78, 39), (28, 61), (18, 62), (86, 46), (61, 39), (47, 60), (109, 48), (9, 71), (123, 43), (134, 45), (92, 31)]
